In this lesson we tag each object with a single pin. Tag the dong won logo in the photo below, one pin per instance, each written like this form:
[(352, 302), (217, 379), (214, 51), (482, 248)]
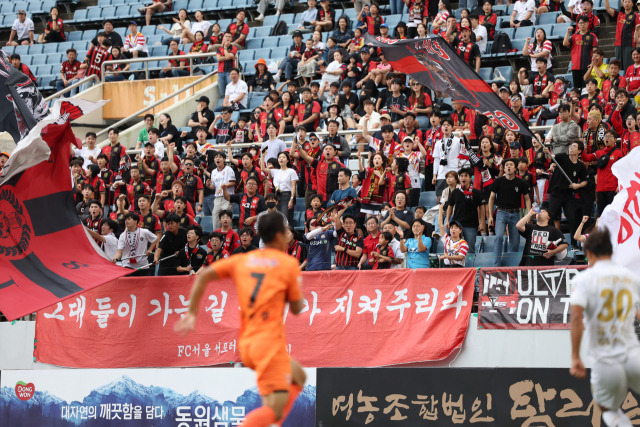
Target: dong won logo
[(25, 391)]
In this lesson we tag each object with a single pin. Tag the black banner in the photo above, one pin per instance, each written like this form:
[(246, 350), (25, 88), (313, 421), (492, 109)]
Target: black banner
[(433, 63), (502, 397), (525, 298)]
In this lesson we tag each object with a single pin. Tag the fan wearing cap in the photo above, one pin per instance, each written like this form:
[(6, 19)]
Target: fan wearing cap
[(202, 117), (4, 156), (223, 128), (518, 109), (290, 64), (326, 168), (414, 159), (135, 45), (21, 30), (262, 80), (468, 50)]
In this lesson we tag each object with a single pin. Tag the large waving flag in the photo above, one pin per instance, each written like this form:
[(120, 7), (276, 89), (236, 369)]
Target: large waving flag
[(45, 255), (622, 216), (433, 63), (21, 104)]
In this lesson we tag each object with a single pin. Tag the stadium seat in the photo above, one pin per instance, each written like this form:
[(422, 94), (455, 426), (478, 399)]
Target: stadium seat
[(506, 71), (523, 32), (559, 30), (518, 45), (270, 42), (548, 29), (36, 49), (482, 260), (500, 9), (548, 18), (511, 259), (486, 74), (428, 199), (51, 48), (254, 43), (206, 222)]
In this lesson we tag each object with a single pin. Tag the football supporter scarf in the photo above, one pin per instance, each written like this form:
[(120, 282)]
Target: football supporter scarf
[(371, 187), (433, 63)]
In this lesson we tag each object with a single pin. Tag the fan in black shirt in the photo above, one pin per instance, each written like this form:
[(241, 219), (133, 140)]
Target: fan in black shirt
[(192, 257), (174, 239), (544, 242)]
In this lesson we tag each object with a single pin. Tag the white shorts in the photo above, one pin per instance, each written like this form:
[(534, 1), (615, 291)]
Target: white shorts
[(610, 382)]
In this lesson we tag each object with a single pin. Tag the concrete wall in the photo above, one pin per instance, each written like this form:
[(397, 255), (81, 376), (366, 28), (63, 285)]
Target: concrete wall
[(482, 348)]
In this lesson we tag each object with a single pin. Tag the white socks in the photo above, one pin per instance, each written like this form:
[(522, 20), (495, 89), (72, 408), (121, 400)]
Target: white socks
[(616, 419)]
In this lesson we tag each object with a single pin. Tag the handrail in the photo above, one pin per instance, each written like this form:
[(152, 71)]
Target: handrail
[(73, 86), (148, 59), (166, 98)]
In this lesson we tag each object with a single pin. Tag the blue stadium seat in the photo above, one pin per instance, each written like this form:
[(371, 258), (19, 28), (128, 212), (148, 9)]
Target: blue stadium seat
[(195, 5), (206, 222), (210, 5), (51, 47), (224, 23), (486, 73), (482, 260), (270, 42), (74, 36), (158, 50), (124, 11), (122, 31), (262, 31), (508, 31), (548, 29), (44, 82), (523, 32), (254, 43), (518, 44), (180, 4), (278, 52), (108, 12), (548, 18), (94, 14), (80, 15), (89, 35), (104, 3), (559, 30), (36, 49), (511, 259), (249, 67), (9, 50), (6, 8), (500, 10), (22, 50), (148, 30), (506, 71), (428, 199)]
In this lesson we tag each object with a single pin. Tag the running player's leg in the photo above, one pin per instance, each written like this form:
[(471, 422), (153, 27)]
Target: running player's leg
[(298, 378), (609, 385)]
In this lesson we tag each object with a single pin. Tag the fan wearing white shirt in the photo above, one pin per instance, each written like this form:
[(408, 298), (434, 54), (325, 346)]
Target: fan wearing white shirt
[(133, 245), (90, 152), (107, 238), (221, 177), (445, 156), (480, 31), (606, 296), (284, 181)]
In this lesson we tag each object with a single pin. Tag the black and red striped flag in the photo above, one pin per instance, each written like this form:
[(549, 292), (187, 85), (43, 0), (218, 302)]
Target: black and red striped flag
[(433, 63), (45, 255)]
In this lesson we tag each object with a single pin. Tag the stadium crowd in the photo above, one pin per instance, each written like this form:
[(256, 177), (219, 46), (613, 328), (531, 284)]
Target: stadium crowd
[(355, 196)]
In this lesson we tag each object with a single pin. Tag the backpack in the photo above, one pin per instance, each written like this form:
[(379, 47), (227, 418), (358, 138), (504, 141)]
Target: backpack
[(280, 29), (501, 43)]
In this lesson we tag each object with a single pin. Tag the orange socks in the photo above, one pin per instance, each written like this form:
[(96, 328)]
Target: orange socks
[(294, 391), (261, 417)]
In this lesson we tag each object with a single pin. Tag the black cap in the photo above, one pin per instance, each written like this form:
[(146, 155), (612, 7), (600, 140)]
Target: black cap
[(149, 143), (133, 23), (296, 33), (515, 145), (203, 99)]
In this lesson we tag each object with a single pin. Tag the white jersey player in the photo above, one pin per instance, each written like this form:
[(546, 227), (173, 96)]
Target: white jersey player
[(608, 296)]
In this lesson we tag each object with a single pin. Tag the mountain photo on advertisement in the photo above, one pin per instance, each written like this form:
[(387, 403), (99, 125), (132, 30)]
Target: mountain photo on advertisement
[(46, 409)]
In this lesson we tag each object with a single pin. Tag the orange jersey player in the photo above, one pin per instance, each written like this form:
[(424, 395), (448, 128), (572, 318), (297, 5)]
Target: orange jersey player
[(265, 281)]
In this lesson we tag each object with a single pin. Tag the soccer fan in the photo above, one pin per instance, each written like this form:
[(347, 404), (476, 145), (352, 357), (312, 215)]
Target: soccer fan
[(606, 182), (507, 191), (348, 244), (158, 6), (21, 30), (143, 135), (319, 241), (92, 177), (93, 62), (227, 55), (417, 246), (343, 191), (193, 188), (192, 257), (88, 152), (202, 117), (606, 297), (106, 239), (394, 244), (235, 94), (231, 240), (246, 240), (370, 243), (108, 34), (563, 193), (582, 44), (69, 73), (542, 240), (624, 109), (563, 133), (201, 24), (469, 50), (398, 214), (251, 203), (455, 247), (176, 67), (222, 178), (284, 180), (465, 206), (18, 65), (445, 156), (114, 151), (132, 244), (174, 239), (4, 156), (53, 29), (278, 276), (539, 80), (216, 252), (94, 220)]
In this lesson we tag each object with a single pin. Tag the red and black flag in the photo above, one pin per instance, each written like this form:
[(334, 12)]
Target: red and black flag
[(45, 255), (433, 63), (21, 104)]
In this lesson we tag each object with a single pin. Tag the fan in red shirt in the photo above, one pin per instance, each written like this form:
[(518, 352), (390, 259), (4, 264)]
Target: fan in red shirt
[(308, 112), (582, 44), (231, 240), (54, 30), (114, 151), (95, 57), (607, 183), (15, 61), (632, 75), (326, 168), (239, 30), (216, 251)]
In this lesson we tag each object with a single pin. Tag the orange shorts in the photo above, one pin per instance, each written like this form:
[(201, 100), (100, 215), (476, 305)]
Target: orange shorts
[(271, 362)]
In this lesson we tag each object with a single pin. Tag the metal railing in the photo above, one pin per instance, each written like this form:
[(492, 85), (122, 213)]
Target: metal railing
[(71, 87), (189, 57), (155, 104)]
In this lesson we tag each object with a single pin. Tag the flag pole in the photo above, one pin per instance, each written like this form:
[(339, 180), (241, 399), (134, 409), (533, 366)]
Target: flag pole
[(159, 261)]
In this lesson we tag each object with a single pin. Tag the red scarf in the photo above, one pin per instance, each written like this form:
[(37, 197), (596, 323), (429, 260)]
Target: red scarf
[(371, 191)]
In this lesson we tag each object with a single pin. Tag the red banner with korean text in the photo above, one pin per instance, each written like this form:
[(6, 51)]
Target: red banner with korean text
[(403, 316)]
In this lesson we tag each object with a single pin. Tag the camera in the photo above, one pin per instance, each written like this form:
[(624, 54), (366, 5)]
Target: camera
[(444, 162)]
